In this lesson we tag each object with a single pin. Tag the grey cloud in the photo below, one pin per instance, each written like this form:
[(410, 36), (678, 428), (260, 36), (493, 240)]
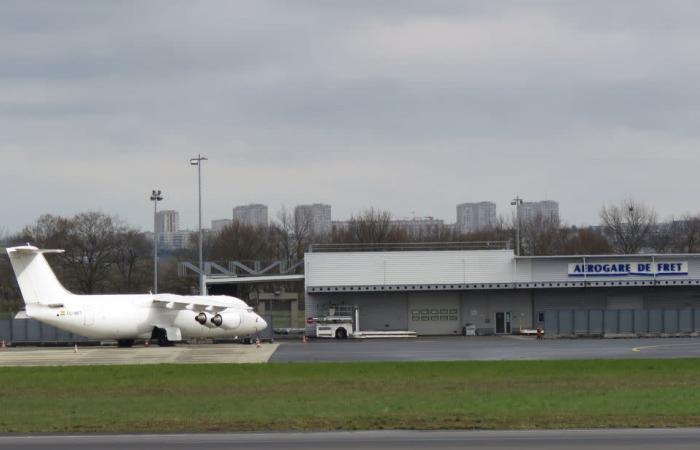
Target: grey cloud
[(412, 105)]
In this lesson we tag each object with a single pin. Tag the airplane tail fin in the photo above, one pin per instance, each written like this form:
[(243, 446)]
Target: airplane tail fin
[(36, 280)]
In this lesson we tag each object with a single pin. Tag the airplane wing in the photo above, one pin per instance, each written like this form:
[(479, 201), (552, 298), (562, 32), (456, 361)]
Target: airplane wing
[(195, 303)]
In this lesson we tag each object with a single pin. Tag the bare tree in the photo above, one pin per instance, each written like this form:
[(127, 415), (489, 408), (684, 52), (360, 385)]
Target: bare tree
[(48, 231), (661, 238), (628, 225), (292, 235), (586, 241), (542, 235), (90, 243), (685, 234), (92, 246), (169, 278), (9, 290), (502, 230), (239, 241), (371, 226), (132, 261), (437, 234)]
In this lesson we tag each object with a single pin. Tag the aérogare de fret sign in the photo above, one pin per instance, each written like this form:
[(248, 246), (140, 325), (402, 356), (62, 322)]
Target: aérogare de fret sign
[(618, 269)]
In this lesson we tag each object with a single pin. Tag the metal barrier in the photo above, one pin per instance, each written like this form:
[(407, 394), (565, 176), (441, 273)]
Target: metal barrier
[(29, 331), (622, 322)]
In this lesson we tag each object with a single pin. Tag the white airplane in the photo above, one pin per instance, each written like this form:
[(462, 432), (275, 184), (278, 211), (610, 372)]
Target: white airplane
[(163, 317)]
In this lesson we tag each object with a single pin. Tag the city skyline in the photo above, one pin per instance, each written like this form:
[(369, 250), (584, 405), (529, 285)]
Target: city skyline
[(528, 209), (256, 214)]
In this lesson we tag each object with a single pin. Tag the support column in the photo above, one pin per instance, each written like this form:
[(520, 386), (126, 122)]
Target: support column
[(294, 312)]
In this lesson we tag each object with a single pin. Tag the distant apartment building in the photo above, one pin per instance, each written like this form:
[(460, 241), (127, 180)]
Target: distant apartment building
[(420, 226), (254, 215), (472, 217), (218, 225), (176, 240), (167, 221), (316, 218), (547, 209)]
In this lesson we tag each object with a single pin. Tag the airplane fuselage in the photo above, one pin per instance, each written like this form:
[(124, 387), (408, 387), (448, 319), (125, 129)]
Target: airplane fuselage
[(134, 316), (165, 317)]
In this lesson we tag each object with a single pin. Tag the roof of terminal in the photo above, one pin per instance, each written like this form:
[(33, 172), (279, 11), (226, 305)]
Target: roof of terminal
[(473, 245), (616, 256), (409, 246)]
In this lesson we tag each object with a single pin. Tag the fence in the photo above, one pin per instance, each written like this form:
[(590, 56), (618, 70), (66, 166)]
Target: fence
[(29, 331), (622, 322)]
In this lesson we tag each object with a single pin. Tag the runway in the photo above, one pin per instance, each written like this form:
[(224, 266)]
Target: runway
[(669, 439), (181, 354), (483, 348), (487, 348)]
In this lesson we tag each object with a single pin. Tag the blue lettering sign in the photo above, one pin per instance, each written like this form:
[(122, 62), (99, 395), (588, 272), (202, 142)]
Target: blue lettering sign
[(621, 269)]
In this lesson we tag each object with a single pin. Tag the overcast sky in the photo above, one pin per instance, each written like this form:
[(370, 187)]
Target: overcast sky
[(407, 106)]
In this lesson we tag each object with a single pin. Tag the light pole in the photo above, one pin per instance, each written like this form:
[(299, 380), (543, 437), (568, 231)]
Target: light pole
[(517, 201), (198, 162), (156, 196)]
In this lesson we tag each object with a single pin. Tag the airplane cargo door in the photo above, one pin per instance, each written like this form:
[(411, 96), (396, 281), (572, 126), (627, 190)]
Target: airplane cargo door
[(434, 313)]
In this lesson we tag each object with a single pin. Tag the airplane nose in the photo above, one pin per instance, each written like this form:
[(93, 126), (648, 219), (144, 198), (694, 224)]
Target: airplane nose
[(260, 323)]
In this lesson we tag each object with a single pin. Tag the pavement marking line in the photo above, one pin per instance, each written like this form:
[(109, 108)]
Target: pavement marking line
[(647, 347)]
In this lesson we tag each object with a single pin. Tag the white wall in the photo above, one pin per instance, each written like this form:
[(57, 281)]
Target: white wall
[(404, 268)]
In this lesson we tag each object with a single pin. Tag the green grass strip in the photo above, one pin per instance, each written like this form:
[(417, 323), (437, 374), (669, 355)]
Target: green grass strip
[(351, 396)]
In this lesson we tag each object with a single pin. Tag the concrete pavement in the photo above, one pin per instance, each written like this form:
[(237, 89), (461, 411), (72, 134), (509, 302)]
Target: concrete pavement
[(637, 439), (180, 354), (487, 348), (483, 348)]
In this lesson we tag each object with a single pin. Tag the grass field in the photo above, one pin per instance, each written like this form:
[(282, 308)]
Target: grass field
[(349, 396)]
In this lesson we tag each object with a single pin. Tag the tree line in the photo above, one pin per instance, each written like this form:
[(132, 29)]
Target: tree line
[(105, 255)]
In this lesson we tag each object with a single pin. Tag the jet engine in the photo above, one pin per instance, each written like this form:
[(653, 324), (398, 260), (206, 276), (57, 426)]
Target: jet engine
[(227, 320), (203, 319)]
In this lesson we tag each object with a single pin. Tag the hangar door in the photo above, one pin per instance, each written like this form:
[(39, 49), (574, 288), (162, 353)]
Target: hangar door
[(433, 313), (382, 312), (625, 302)]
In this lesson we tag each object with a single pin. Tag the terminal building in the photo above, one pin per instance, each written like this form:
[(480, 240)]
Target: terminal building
[(439, 291)]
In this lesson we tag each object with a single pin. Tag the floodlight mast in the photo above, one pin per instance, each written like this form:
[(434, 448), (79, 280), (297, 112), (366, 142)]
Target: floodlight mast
[(198, 162), (517, 201), (156, 196)]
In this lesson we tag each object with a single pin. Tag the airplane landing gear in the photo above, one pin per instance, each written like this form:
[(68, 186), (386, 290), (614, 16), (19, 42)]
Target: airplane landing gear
[(125, 343), (161, 337)]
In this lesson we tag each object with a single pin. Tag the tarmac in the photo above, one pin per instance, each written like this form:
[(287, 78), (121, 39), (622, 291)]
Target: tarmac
[(456, 348), (483, 348), (637, 439), (96, 355)]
